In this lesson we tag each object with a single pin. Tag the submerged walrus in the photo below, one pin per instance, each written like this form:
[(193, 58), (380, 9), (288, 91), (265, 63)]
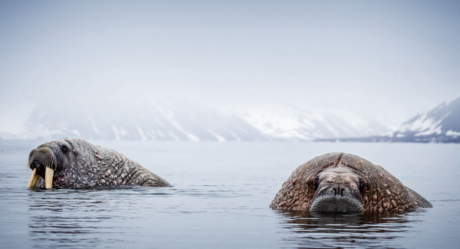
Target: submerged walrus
[(344, 183), (75, 163)]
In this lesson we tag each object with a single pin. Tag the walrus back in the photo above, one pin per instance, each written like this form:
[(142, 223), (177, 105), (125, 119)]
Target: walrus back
[(422, 202)]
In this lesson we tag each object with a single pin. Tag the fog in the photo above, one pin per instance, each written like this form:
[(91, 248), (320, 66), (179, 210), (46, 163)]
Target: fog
[(384, 60)]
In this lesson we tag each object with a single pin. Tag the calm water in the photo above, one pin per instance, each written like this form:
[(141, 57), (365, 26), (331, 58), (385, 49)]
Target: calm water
[(220, 199)]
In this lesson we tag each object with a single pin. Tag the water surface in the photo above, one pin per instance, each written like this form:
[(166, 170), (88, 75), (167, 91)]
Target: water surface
[(220, 198)]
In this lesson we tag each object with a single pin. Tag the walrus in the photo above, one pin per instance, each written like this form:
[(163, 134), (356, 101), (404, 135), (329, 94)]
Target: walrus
[(75, 163), (345, 183)]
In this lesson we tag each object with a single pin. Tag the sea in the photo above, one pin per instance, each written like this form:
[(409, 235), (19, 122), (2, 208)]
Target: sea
[(220, 197)]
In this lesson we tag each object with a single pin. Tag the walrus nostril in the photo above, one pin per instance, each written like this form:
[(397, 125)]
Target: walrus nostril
[(338, 191)]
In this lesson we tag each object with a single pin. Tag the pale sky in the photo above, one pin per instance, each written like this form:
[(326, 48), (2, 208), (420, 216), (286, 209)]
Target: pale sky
[(390, 59)]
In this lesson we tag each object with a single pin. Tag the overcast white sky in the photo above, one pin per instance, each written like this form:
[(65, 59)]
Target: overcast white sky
[(375, 58)]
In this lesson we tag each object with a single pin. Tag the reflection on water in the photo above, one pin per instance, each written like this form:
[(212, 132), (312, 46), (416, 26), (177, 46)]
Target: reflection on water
[(61, 218), (112, 215), (93, 217), (316, 230)]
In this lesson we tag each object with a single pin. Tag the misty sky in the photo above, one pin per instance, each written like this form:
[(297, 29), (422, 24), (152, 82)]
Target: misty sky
[(389, 59)]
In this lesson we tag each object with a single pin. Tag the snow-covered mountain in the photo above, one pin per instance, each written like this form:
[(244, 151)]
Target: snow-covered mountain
[(190, 121), (186, 121), (288, 122), (139, 121), (441, 124)]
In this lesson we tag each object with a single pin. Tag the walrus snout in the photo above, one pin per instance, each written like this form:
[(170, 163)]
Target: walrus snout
[(43, 163), (337, 190), (337, 204), (338, 198)]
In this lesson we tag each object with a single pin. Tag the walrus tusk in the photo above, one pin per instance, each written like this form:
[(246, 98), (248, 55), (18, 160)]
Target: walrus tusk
[(33, 179), (49, 177)]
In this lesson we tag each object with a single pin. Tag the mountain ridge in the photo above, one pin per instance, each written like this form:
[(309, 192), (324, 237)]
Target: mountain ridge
[(183, 121), (440, 124), (172, 120)]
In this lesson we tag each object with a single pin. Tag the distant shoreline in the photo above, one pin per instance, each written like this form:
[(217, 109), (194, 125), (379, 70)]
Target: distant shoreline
[(388, 139)]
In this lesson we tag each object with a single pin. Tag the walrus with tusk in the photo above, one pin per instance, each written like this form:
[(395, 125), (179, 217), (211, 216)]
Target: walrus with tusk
[(345, 183), (75, 163)]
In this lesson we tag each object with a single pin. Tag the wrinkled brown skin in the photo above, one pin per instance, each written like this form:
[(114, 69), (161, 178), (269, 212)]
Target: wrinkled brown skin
[(88, 165), (382, 192)]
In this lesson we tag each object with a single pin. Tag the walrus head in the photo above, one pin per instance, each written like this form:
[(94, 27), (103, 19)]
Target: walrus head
[(48, 159), (345, 183), (338, 190)]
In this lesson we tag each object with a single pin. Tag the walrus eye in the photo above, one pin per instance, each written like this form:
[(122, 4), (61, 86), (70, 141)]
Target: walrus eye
[(315, 182), (64, 148), (361, 184)]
